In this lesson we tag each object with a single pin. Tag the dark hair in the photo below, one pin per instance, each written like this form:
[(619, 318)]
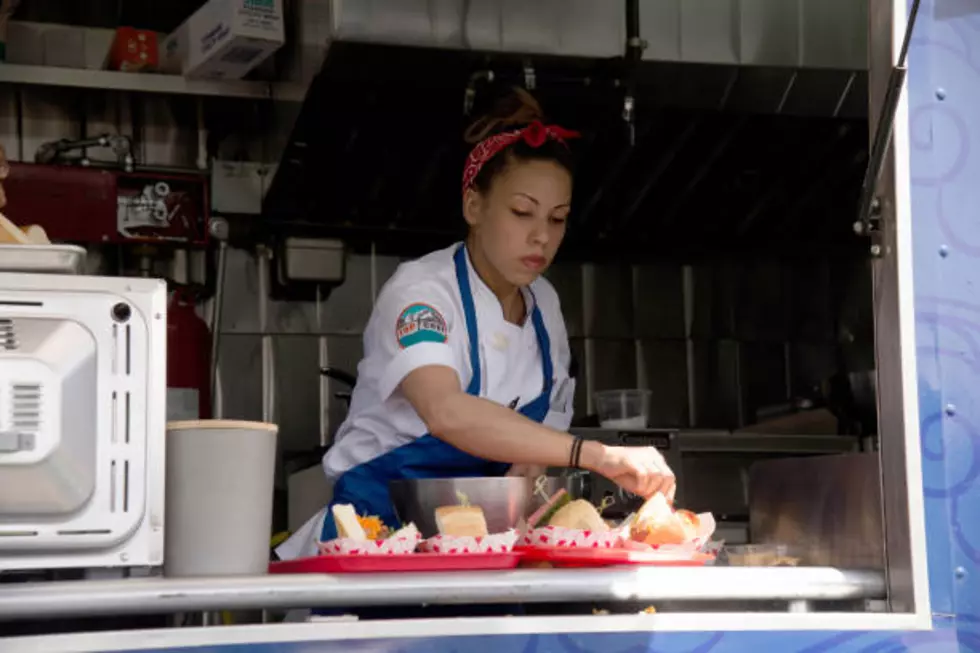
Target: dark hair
[(514, 111)]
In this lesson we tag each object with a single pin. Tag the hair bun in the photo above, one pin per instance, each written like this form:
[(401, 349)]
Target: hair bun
[(517, 108)]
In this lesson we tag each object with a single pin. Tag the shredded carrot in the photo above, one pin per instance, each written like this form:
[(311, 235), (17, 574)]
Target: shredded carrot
[(373, 527)]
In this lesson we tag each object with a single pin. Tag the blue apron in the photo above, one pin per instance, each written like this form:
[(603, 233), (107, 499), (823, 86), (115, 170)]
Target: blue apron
[(366, 485)]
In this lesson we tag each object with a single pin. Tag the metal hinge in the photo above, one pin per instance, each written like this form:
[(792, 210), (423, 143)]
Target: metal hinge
[(871, 227)]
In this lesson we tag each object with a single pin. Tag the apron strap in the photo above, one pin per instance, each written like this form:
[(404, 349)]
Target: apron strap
[(469, 313), (544, 345)]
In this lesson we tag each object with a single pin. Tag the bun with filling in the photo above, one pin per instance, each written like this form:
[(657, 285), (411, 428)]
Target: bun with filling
[(543, 515), (657, 523), (579, 515)]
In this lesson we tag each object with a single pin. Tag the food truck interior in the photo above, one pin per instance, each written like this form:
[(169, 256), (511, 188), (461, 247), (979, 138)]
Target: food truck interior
[(715, 256), (711, 255)]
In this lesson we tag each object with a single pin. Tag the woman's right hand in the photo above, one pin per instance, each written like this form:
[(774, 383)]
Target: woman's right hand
[(640, 470)]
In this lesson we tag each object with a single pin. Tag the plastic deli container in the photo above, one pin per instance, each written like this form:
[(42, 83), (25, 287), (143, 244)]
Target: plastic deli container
[(623, 409)]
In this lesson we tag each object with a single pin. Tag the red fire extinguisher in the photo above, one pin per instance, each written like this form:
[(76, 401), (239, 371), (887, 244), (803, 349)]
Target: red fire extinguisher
[(188, 360)]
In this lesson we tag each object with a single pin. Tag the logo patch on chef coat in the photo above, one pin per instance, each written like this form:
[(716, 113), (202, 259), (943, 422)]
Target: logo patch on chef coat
[(420, 323)]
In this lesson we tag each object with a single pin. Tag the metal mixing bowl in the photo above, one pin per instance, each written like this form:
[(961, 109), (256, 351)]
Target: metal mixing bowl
[(505, 500)]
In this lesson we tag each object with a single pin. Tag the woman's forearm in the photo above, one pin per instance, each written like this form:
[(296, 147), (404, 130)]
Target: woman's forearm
[(527, 470), (485, 429), (490, 431)]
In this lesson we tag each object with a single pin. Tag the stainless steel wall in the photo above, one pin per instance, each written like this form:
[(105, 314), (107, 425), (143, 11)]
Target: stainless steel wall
[(806, 33), (752, 335), (713, 341)]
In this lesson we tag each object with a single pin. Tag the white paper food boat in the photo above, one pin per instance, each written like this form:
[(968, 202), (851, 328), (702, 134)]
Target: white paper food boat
[(552, 536), (557, 536), (448, 544), (390, 546), (700, 544)]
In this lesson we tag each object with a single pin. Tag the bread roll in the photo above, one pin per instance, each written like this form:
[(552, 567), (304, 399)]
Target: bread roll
[(36, 234), (345, 519), (460, 521), (656, 523)]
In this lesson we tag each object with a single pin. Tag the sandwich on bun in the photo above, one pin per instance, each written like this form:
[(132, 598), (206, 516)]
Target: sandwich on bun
[(657, 523), (579, 515)]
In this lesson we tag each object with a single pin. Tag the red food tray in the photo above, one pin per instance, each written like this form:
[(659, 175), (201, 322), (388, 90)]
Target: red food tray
[(373, 564), (587, 557)]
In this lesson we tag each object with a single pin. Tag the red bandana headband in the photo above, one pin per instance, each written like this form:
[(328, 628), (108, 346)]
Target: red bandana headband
[(534, 135)]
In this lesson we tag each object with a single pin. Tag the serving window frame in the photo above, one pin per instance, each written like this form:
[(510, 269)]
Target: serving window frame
[(903, 513)]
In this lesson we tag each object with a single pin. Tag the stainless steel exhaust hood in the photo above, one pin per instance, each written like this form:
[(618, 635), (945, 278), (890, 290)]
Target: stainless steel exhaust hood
[(723, 156)]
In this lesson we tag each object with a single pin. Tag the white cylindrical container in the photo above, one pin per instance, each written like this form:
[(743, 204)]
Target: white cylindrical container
[(220, 478)]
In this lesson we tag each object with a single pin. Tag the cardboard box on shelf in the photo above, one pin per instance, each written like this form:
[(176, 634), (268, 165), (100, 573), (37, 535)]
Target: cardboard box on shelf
[(224, 39), (37, 44), (64, 47), (25, 44), (134, 50)]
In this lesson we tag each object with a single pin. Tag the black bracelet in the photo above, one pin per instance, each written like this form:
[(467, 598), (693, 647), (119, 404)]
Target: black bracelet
[(575, 459)]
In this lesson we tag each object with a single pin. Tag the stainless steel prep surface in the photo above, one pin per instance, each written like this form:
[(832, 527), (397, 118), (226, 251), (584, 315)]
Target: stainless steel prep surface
[(49, 259), (161, 595)]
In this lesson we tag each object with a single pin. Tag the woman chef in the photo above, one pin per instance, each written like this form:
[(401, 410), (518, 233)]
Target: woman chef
[(465, 369)]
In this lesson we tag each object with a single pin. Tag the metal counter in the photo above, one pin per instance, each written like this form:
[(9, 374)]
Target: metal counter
[(163, 596)]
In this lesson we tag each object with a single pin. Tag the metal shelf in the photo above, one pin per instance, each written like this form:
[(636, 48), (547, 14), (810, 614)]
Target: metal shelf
[(718, 441), (111, 80), (168, 595)]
